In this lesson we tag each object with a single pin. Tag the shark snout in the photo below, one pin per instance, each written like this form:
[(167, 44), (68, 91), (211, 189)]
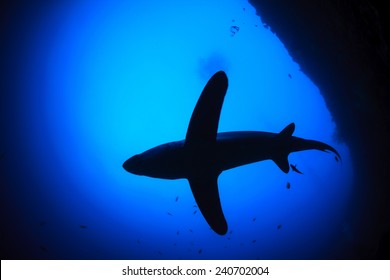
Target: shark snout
[(132, 164)]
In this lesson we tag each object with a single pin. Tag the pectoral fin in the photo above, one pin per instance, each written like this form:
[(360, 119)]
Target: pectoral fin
[(204, 121), (205, 191)]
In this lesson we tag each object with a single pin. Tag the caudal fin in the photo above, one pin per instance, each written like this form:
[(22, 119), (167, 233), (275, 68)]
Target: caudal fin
[(317, 145)]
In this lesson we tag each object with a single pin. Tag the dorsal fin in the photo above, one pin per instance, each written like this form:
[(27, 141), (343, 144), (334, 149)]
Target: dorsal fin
[(204, 121), (287, 131), (281, 159)]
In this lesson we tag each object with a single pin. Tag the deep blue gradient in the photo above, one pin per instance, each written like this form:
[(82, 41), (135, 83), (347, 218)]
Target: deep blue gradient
[(98, 83)]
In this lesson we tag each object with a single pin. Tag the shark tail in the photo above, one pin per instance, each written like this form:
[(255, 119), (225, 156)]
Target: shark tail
[(317, 145), (299, 144)]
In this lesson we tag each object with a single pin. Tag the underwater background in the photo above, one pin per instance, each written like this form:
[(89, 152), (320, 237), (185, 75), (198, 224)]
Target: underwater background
[(88, 84)]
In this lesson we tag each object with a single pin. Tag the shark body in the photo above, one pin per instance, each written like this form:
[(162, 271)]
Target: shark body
[(204, 154)]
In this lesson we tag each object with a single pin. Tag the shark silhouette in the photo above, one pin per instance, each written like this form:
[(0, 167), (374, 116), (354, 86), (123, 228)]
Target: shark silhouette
[(205, 153)]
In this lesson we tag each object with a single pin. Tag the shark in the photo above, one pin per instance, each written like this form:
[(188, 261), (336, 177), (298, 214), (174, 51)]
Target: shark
[(205, 153)]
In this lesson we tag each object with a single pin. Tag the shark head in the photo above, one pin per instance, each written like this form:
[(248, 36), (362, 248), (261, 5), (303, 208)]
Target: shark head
[(159, 162), (134, 165)]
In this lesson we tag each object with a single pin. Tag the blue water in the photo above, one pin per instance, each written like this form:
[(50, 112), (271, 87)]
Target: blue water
[(101, 81)]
